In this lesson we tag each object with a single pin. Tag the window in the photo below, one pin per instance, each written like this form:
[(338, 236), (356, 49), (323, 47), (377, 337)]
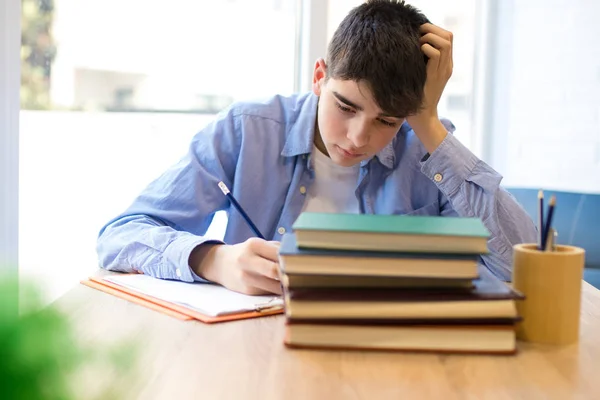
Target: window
[(111, 94)]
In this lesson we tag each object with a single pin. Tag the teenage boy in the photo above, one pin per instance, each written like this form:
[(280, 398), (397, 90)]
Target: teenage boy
[(367, 139)]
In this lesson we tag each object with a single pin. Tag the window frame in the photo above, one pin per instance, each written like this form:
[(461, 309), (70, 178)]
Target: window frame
[(311, 39), (10, 78), (485, 73)]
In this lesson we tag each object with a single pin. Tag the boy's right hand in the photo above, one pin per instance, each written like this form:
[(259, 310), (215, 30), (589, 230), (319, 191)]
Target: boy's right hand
[(251, 267)]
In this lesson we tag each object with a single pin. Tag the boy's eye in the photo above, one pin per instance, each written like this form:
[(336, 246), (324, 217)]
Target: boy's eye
[(343, 108), (387, 123), (348, 110)]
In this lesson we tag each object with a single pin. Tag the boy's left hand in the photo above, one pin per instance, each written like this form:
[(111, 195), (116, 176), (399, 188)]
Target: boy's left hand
[(436, 43)]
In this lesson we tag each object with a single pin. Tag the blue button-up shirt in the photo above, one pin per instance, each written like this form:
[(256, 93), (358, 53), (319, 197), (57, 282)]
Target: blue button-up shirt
[(262, 153)]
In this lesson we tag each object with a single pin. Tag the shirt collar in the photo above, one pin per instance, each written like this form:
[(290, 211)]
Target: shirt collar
[(302, 132)]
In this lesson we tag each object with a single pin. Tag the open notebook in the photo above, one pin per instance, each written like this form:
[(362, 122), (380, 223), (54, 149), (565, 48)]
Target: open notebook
[(204, 302)]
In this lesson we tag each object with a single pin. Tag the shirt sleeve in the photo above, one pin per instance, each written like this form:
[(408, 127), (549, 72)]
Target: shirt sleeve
[(471, 188), (158, 232)]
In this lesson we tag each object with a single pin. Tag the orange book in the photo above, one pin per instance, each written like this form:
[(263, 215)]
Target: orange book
[(204, 302)]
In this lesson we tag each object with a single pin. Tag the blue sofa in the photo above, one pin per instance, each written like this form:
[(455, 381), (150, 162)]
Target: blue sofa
[(576, 219)]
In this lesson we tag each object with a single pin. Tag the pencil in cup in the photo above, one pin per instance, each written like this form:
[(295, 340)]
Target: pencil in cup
[(540, 221), (548, 222), (239, 208)]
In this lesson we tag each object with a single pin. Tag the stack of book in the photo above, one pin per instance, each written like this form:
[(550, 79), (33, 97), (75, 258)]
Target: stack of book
[(393, 282)]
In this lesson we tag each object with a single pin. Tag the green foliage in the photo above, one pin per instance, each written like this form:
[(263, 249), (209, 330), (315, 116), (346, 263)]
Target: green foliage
[(41, 357), (37, 53)]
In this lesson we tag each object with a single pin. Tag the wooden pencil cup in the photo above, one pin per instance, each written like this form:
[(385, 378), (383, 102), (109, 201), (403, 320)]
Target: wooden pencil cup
[(551, 283)]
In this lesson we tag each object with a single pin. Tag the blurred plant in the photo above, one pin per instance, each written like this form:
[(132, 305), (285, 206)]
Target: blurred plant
[(37, 53), (41, 357)]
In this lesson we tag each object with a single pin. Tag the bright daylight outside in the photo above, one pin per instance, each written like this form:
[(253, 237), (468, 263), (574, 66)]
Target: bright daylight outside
[(113, 91)]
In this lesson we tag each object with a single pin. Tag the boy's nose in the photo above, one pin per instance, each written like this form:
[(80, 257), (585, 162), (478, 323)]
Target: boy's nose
[(358, 135)]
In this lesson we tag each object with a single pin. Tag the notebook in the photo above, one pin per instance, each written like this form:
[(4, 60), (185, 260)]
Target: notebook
[(294, 260), (399, 233), (201, 301)]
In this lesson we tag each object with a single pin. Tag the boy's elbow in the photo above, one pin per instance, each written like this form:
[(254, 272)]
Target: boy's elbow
[(106, 257), (120, 243), (108, 248)]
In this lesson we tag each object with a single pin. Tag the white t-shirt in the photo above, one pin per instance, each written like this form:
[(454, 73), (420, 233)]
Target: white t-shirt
[(333, 187)]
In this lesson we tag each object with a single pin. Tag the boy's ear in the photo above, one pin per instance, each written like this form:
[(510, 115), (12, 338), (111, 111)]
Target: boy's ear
[(319, 75)]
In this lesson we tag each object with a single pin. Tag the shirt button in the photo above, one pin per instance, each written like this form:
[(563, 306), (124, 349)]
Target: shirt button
[(303, 189), (178, 273), (281, 230), (438, 177)]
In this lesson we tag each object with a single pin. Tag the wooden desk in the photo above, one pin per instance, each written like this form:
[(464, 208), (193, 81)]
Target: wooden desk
[(247, 360)]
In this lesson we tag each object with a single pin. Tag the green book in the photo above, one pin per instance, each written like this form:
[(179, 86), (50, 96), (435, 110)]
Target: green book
[(397, 233)]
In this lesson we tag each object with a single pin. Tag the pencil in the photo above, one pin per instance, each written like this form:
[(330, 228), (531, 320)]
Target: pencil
[(541, 220), (548, 223), (551, 245), (238, 207)]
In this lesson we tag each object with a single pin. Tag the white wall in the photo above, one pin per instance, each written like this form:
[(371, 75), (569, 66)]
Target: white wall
[(546, 95)]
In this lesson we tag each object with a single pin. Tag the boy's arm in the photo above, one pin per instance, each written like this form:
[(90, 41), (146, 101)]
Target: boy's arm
[(157, 233), (471, 188)]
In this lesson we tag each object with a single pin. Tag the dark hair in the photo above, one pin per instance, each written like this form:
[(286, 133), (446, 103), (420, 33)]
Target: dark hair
[(378, 43)]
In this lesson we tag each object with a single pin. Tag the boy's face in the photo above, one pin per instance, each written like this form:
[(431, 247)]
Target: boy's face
[(352, 126)]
